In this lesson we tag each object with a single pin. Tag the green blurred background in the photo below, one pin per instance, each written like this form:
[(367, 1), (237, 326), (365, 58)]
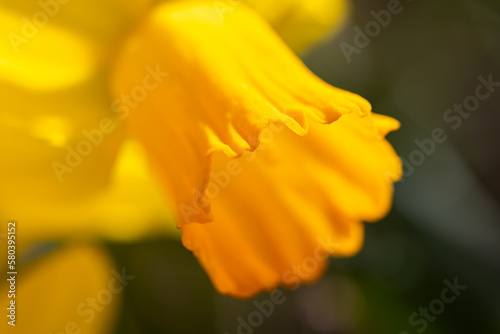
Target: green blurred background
[(445, 224)]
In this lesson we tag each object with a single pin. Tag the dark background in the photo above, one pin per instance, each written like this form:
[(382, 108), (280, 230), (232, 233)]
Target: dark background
[(445, 224)]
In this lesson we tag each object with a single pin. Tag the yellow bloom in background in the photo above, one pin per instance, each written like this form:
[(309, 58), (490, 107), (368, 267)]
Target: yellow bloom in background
[(124, 116), (301, 23), (54, 90), (74, 290)]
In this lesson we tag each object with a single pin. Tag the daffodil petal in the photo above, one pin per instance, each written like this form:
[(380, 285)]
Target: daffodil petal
[(40, 63), (129, 206), (45, 139), (301, 23), (104, 23), (52, 295), (61, 137), (51, 44)]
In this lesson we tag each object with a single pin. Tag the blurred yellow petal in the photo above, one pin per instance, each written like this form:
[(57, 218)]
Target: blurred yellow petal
[(41, 63), (51, 44), (40, 129), (63, 177), (52, 96), (128, 207), (104, 23), (215, 85), (301, 23), (58, 129), (53, 295)]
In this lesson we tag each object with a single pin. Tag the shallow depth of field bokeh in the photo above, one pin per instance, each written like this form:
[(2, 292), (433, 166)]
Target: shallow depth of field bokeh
[(445, 223)]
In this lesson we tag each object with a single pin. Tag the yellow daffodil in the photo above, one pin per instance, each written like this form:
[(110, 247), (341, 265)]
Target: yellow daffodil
[(266, 169)]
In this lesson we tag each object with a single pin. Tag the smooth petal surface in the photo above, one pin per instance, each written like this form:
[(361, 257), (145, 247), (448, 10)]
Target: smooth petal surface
[(219, 83), (103, 23), (130, 206), (302, 23), (52, 295), (53, 189), (38, 62), (39, 129)]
